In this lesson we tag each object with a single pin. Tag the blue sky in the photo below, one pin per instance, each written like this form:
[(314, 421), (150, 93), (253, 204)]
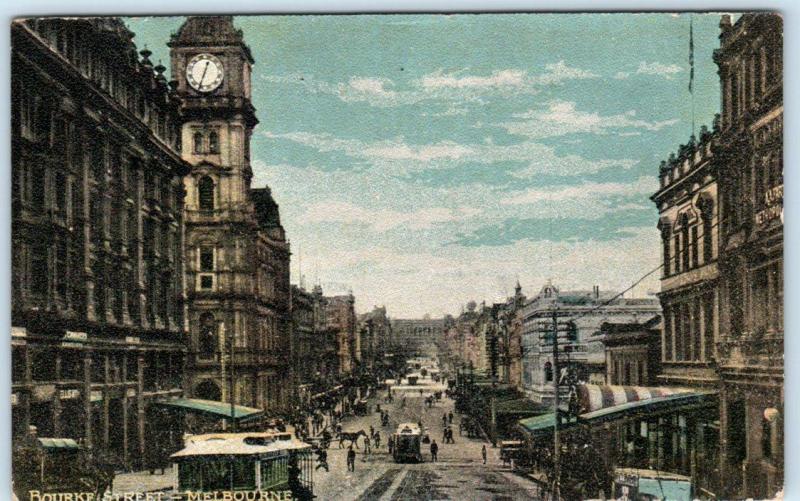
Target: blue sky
[(426, 160)]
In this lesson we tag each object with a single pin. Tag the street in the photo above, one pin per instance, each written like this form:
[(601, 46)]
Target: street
[(459, 472)]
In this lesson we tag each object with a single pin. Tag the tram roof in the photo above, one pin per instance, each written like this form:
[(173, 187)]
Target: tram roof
[(237, 444)]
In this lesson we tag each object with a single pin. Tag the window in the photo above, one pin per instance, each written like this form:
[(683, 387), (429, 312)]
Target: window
[(205, 188), (548, 372), (208, 335), (197, 142), (694, 245), (206, 282), (38, 182), (667, 257), (39, 269), (213, 142), (685, 243), (707, 211), (766, 438), (206, 259)]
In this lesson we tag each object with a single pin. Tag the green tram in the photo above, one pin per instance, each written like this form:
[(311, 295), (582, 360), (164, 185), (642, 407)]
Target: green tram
[(269, 463), (407, 443)]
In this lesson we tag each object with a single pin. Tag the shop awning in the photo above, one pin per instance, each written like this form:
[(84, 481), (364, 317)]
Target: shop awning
[(520, 406), (543, 425), (59, 444), (592, 397), (213, 408)]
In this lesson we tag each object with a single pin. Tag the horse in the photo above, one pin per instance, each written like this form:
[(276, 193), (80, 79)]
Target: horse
[(352, 436)]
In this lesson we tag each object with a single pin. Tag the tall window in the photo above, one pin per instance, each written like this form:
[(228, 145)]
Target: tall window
[(665, 231), (207, 343), (39, 269), (213, 142), (197, 142), (707, 213), (548, 372), (206, 193), (206, 259), (685, 243), (694, 245)]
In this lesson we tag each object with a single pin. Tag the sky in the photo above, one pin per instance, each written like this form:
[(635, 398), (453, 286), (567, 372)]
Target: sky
[(423, 161)]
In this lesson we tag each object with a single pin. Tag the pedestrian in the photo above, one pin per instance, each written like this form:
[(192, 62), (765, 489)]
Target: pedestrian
[(367, 442), (434, 450), (377, 439), (322, 460), (390, 443), (483, 453), (351, 459), (450, 417), (444, 419)]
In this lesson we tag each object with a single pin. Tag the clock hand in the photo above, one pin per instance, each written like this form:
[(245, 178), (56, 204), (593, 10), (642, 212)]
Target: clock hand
[(205, 68)]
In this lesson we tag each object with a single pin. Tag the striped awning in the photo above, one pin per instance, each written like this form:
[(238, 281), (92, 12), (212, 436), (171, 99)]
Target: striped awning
[(592, 397)]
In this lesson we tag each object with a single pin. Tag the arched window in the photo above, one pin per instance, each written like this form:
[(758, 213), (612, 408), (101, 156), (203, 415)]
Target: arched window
[(207, 342), (685, 243), (213, 142), (707, 213), (548, 372), (197, 142), (205, 189)]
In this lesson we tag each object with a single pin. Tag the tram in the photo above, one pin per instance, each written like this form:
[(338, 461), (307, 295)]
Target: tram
[(251, 462), (407, 443)]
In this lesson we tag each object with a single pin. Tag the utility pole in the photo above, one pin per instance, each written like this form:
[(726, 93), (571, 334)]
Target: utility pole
[(231, 387), (556, 438)]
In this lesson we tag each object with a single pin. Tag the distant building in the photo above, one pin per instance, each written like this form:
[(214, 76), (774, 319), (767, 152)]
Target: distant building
[(340, 316), (376, 336), (633, 351), (237, 256), (416, 336), (584, 312), (97, 309)]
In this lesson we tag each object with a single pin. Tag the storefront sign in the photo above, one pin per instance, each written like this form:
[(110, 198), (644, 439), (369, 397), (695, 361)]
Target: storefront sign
[(132, 340), (19, 332), (130, 392), (14, 399), (96, 396), (773, 201), (69, 393), (75, 336)]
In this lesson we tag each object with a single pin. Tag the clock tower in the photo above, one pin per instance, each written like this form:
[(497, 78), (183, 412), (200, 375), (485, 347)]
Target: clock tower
[(237, 257)]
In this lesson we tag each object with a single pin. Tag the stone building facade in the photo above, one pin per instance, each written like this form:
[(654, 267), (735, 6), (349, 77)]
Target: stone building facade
[(689, 209), (98, 323), (586, 311), (237, 256), (750, 349), (340, 317)]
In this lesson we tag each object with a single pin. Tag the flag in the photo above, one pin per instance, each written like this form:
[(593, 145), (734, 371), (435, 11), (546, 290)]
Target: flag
[(691, 54)]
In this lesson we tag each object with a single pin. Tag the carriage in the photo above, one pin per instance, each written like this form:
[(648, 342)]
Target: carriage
[(407, 443)]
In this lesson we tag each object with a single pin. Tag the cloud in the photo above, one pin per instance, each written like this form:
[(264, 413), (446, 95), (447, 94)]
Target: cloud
[(559, 72), (400, 158), (439, 85), (503, 78), (562, 118), (385, 219), (659, 69), (643, 186), (622, 75)]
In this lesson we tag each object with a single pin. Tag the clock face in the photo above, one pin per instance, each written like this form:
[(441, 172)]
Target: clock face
[(204, 72)]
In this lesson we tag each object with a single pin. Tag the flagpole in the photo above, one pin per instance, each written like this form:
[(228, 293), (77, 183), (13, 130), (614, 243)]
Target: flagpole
[(691, 66)]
